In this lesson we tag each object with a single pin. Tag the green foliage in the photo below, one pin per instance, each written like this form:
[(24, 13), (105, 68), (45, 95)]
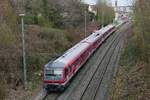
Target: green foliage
[(43, 22), (132, 81), (43, 44), (74, 35), (59, 14), (2, 91), (7, 38), (138, 48), (141, 29), (45, 8), (91, 16), (54, 16), (34, 7), (9, 48), (105, 14), (132, 52), (30, 20), (36, 20)]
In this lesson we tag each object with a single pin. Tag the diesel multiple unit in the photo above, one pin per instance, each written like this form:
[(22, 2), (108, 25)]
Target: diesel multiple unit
[(59, 72)]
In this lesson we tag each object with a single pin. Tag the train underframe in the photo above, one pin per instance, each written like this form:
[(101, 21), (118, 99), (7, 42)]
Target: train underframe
[(55, 87)]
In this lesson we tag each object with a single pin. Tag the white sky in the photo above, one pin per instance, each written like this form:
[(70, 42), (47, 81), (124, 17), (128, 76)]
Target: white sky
[(120, 2), (90, 1)]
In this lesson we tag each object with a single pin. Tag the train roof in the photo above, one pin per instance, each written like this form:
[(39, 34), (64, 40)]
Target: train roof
[(105, 29), (69, 55), (80, 47), (93, 37), (73, 52)]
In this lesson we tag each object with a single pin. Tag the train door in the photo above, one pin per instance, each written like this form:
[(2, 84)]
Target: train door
[(77, 64), (66, 73), (73, 67)]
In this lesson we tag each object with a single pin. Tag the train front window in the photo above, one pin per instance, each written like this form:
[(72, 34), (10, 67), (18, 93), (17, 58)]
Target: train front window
[(53, 74)]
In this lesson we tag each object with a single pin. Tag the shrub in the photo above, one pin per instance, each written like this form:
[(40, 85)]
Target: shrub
[(42, 21), (132, 52), (42, 45), (2, 92)]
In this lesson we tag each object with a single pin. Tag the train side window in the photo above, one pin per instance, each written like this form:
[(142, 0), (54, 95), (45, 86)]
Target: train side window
[(74, 65), (76, 62), (71, 68), (84, 55), (66, 72)]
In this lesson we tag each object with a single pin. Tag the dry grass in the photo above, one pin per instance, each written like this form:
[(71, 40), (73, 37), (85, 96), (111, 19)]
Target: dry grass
[(131, 83), (2, 92)]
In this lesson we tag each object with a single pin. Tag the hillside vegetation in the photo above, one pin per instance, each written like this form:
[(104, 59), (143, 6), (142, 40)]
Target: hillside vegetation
[(9, 47), (105, 13), (133, 76), (51, 27)]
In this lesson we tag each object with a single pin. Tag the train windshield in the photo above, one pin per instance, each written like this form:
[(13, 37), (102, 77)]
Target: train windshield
[(53, 74)]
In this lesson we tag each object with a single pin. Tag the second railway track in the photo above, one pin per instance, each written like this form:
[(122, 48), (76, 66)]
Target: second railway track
[(94, 85)]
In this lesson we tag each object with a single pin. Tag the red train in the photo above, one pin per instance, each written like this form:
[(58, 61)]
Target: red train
[(59, 72)]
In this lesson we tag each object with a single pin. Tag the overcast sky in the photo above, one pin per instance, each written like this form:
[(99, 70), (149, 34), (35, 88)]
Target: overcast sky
[(90, 1), (120, 2)]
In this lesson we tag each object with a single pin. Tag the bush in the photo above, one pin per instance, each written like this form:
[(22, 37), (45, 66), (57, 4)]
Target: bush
[(2, 92), (42, 45), (108, 13), (132, 52), (38, 20), (2, 86), (42, 21), (29, 20)]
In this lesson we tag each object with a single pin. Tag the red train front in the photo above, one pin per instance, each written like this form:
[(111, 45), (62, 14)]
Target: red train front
[(58, 73)]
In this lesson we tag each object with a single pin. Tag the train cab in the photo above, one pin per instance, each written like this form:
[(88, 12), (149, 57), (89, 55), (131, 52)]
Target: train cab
[(53, 75), (59, 72)]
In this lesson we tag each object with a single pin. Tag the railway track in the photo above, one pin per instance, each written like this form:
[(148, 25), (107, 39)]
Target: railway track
[(86, 84), (53, 96), (101, 92), (94, 85), (106, 66), (106, 77), (100, 69)]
